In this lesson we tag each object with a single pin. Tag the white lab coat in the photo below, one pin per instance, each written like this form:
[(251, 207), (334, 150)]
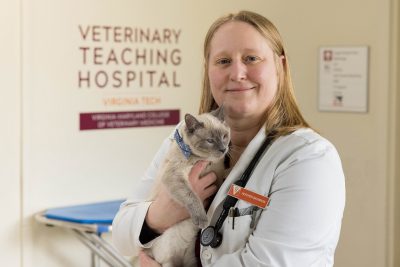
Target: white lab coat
[(301, 174)]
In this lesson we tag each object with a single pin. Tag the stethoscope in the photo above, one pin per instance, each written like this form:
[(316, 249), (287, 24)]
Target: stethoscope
[(211, 236)]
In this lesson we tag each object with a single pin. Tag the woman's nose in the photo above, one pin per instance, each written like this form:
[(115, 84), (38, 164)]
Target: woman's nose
[(238, 71)]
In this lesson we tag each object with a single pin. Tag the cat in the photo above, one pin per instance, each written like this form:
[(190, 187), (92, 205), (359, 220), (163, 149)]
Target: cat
[(202, 137)]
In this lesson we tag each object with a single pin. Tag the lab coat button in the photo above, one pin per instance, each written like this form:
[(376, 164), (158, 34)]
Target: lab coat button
[(206, 254)]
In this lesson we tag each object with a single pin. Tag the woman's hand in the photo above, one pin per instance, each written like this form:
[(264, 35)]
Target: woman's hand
[(203, 186), (165, 212), (146, 261)]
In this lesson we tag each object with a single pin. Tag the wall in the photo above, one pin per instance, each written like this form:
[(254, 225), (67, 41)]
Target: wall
[(394, 186), (62, 165), (361, 138), (10, 144)]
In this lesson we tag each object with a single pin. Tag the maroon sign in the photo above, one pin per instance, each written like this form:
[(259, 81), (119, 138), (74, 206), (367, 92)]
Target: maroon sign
[(112, 120)]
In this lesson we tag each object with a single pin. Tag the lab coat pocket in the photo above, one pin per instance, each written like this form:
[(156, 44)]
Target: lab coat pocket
[(238, 227)]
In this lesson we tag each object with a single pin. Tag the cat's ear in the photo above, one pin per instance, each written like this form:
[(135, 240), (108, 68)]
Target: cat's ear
[(192, 123), (218, 113)]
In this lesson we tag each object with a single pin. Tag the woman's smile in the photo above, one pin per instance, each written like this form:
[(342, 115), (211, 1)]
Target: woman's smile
[(239, 89)]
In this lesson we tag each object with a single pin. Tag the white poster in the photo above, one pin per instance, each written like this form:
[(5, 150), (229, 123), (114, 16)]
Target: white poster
[(343, 79)]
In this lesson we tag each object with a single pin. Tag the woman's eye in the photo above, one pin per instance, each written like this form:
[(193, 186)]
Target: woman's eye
[(223, 61), (251, 59)]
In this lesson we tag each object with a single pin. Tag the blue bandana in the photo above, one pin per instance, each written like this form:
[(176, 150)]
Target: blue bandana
[(186, 151)]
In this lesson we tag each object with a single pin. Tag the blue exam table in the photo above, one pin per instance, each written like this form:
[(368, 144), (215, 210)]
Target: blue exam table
[(88, 222)]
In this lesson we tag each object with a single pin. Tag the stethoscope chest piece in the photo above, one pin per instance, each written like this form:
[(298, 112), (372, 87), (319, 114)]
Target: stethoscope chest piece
[(210, 237)]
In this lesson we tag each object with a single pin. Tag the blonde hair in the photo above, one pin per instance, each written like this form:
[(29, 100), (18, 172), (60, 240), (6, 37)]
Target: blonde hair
[(283, 115)]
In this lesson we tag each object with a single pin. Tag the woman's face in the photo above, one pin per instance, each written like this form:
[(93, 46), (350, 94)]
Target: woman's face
[(242, 71)]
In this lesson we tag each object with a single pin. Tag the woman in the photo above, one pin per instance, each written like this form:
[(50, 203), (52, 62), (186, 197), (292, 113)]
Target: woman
[(247, 71)]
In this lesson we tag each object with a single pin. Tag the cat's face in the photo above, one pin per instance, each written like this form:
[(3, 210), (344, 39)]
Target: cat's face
[(207, 136)]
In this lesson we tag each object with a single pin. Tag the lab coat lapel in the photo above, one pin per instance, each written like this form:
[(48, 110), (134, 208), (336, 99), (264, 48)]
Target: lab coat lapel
[(235, 174)]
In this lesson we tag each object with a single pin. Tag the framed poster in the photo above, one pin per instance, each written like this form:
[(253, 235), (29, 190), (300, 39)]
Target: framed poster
[(343, 78)]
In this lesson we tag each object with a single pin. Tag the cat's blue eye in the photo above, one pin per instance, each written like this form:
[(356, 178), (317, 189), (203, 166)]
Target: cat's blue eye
[(210, 141)]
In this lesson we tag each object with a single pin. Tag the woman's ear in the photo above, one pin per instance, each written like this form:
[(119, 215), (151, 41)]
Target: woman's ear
[(282, 58), (280, 62)]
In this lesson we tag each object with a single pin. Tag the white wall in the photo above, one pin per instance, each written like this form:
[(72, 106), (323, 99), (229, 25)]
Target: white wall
[(62, 165), (10, 95)]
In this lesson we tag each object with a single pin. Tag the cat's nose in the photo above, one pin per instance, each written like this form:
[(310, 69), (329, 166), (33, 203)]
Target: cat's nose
[(222, 150)]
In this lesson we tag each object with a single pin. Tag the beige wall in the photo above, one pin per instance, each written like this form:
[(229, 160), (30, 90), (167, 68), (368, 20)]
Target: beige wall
[(394, 219), (10, 97), (52, 152), (362, 139)]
